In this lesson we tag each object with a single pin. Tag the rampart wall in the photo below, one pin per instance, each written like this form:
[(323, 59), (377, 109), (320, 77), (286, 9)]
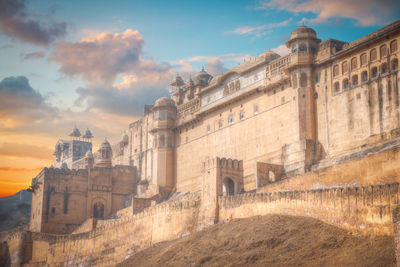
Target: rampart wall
[(366, 209)]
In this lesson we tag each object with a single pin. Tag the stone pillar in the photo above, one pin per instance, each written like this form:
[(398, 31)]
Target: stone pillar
[(396, 233)]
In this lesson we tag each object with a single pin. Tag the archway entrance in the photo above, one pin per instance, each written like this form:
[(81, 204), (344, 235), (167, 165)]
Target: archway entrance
[(98, 210), (229, 187)]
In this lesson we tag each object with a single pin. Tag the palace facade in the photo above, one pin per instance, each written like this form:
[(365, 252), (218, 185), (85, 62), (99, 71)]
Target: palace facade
[(266, 120)]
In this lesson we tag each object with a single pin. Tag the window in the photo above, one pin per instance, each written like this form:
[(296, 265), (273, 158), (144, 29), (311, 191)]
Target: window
[(256, 77), (316, 77), (208, 128), (372, 55), (383, 51), (353, 63), (335, 70), (303, 80), (162, 115), (283, 100), (345, 67), (255, 109), (294, 48), (170, 115), (354, 80), (242, 115), (364, 76), (170, 141), (302, 48), (384, 68), (294, 78), (231, 119), (346, 84), (363, 59), (237, 85), (393, 46), (162, 141), (282, 88), (66, 196), (336, 87), (220, 124), (374, 72), (156, 115), (53, 210), (395, 64)]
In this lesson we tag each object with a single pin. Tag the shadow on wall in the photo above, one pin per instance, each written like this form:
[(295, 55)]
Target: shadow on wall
[(5, 258)]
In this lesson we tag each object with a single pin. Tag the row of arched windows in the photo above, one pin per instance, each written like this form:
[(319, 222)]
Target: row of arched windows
[(373, 55), (383, 69), (159, 141)]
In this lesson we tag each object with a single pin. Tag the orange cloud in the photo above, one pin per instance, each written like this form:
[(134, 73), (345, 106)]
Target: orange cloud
[(25, 151)]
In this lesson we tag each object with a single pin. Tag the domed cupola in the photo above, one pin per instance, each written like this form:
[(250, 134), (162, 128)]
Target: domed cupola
[(88, 134), (164, 102), (303, 40), (75, 133), (177, 81), (202, 78), (105, 155)]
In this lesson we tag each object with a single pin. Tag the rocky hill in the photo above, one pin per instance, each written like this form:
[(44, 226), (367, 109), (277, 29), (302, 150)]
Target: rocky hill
[(273, 240), (15, 210)]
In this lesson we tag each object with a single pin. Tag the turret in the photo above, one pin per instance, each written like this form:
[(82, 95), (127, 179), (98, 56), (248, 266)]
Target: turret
[(164, 111), (105, 155)]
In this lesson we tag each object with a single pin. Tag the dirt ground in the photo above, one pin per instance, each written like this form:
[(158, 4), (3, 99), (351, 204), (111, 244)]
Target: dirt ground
[(273, 240)]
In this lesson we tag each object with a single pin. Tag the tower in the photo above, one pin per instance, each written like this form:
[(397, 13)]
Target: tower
[(105, 155), (164, 111)]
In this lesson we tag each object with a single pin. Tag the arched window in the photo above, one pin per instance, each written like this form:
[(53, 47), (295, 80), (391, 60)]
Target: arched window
[(302, 48), (353, 63), (383, 51), (335, 70), (208, 128), (294, 78), (336, 89), (363, 59), (374, 72), (170, 141), (255, 109), (271, 177), (226, 90), (354, 80), (393, 46), (345, 84), (220, 124), (345, 67), (303, 80), (294, 48), (162, 141), (372, 55), (384, 68), (231, 119), (231, 87), (364, 76), (242, 115), (395, 64), (162, 115), (237, 85)]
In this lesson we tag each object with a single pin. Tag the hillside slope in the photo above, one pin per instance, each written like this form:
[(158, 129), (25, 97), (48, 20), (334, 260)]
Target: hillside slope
[(273, 240), (15, 210)]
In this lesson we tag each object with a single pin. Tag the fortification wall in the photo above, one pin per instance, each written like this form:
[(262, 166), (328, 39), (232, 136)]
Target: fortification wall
[(114, 240), (378, 168), (366, 209)]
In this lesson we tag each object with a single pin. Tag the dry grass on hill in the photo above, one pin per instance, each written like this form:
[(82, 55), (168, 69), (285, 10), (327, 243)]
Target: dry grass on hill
[(273, 240)]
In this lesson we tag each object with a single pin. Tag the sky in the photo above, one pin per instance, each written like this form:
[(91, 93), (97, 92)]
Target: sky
[(95, 64)]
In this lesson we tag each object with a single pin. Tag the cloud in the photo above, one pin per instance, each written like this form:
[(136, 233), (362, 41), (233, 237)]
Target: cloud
[(282, 50), (20, 103), (16, 21), (34, 55), (365, 12), (216, 67), (261, 30), (12, 169), (100, 59), (25, 151)]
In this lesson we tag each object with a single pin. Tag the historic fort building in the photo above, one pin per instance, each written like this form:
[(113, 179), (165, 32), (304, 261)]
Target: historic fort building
[(271, 124)]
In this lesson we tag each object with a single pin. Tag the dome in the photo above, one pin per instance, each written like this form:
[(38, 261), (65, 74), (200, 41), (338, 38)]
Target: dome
[(89, 154), (105, 145), (75, 132), (88, 134), (202, 77), (177, 81), (163, 102), (269, 55), (125, 138), (303, 32)]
